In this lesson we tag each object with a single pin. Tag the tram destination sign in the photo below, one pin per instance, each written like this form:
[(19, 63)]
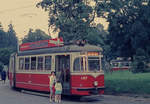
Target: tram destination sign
[(56, 42)]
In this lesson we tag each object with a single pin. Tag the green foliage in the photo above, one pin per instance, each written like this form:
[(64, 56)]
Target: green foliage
[(1, 66), (8, 44), (141, 61), (5, 54), (128, 28), (127, 82), (8, 39), (2, 37), (36, 35), (74, 19), (11, 37), (97, 35)]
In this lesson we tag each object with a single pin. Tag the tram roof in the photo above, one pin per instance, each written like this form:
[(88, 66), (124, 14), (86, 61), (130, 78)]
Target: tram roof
[(62, 49)]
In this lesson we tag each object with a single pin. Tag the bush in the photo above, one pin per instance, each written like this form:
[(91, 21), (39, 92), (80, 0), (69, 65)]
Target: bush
[(140, 64), (1, 66)]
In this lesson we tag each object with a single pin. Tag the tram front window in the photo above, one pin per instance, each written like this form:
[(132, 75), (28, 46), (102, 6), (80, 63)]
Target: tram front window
[(93, 64)]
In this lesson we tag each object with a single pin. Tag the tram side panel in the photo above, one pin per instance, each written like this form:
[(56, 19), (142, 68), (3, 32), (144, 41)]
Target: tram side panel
[(40, 82), (22, 80), (36, 79), (33, 81)]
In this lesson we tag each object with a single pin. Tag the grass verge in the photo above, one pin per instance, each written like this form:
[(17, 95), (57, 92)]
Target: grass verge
[(126, 82)]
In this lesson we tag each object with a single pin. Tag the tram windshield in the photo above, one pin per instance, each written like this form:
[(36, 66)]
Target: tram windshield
[(82, 63), (93, 64)]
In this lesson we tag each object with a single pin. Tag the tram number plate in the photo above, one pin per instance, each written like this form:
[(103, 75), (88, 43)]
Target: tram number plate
[(84, 78)]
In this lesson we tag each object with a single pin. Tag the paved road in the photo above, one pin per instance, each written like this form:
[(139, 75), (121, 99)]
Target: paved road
[(9, 96)]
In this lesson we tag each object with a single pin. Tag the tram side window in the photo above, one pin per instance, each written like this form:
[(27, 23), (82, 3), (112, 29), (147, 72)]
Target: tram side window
[(115, 64), (78, 64), (27, 63), (121, 64), (21, 63), (48, 62), (94, 64), (40, 63), (33, 63), (127, 64)]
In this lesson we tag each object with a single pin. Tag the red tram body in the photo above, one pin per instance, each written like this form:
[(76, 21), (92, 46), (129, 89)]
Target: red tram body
[(78, 67)]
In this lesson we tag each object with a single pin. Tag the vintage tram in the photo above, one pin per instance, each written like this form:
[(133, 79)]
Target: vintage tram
[(78, 67), (120, 65)]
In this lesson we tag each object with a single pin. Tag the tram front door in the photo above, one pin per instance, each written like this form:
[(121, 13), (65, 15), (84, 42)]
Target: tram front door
[(62, 68)]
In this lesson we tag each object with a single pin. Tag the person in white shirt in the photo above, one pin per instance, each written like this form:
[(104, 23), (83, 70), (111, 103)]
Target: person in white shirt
[(58, 91), (52, 80)]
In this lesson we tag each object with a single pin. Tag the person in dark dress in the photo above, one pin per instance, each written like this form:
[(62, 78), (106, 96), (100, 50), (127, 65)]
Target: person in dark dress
[(3, 75)]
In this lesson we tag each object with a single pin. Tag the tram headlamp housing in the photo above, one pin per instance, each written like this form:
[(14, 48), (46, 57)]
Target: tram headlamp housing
[(96, 83)]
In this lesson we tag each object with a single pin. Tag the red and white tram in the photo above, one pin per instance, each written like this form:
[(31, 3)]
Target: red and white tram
[(120, 65), (78, 67)]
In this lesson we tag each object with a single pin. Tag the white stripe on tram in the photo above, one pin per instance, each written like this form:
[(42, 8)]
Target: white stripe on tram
[(92, 74), (35, 84)]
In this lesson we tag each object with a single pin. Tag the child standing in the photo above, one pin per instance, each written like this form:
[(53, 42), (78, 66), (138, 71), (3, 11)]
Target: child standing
[(58, 91)]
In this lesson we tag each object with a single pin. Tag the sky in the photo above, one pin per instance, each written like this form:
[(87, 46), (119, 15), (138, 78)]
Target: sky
[(24, 14)]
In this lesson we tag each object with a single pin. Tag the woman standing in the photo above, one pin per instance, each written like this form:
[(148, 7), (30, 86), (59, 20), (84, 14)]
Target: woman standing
[(3, 75), (52, 80)]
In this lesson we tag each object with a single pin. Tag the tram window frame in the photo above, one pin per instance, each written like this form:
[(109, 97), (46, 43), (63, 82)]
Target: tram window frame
[(21, 64), (80, 67), (40, 64), (98, 67), (27, 63), (48, 63), (33, 62)]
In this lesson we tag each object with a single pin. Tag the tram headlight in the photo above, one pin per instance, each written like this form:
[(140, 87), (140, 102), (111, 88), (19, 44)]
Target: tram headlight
[(96, 83)]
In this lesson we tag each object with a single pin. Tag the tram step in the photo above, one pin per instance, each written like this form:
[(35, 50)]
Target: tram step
[(35, 93)]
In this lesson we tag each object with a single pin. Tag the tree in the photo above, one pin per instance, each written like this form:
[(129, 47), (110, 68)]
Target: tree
[(36, 35), (129, 22), (8, 44), (2, 37), (128, 26), (73, 18), (11, 37), (5, 54)]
